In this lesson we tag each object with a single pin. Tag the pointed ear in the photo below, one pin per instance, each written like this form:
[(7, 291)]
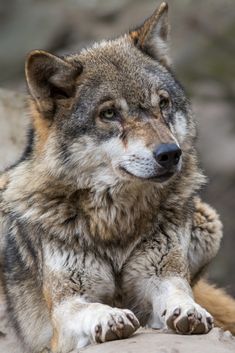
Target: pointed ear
[(152, 36), (50, 78)]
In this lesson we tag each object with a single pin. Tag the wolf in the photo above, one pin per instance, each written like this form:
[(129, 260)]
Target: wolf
[(102, 229)]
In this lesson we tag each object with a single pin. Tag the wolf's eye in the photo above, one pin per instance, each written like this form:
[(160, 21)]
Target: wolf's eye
[(164, 102), (108, 114)]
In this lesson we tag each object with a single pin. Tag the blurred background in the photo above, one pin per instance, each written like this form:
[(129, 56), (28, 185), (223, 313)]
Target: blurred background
[(203, 51)]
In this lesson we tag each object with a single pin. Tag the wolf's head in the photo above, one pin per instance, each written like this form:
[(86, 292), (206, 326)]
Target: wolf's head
[(112, 113)]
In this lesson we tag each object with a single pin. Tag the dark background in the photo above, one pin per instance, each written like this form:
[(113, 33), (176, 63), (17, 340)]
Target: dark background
[(203, 49)]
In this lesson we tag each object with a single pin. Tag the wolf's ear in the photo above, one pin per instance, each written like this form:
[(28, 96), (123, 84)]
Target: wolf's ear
[(152, 36), (49, 79)]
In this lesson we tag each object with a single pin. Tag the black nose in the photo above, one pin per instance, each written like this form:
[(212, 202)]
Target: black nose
[(167, 155)]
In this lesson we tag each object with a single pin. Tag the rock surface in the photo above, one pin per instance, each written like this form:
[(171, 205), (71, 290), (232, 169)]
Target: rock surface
[(13, 122), (152, 341)]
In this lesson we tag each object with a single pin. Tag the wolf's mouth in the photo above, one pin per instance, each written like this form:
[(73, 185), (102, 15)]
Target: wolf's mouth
[(158, 178)]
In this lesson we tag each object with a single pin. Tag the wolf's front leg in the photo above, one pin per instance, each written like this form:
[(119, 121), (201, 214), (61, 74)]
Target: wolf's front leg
[(77, 289), (174, 305), (181, 313), (156, 285)]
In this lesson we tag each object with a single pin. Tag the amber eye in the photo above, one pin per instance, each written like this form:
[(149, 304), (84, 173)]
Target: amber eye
[(108, 114), (164, 102)]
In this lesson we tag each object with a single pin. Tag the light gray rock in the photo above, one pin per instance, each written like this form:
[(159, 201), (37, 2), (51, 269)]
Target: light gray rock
[(29, 25), (152, 341), (13, 122)]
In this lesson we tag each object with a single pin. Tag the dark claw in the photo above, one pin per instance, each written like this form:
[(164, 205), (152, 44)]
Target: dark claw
[(191, 313), (176, 312), (98, 329), (111, 323), (120, 319), (210, 322), (130, 317), (133, 320), (199, 316)]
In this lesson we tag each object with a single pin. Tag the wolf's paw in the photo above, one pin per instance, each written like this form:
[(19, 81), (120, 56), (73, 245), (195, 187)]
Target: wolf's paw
[(189, 319), (77, 324), (112, 323)]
